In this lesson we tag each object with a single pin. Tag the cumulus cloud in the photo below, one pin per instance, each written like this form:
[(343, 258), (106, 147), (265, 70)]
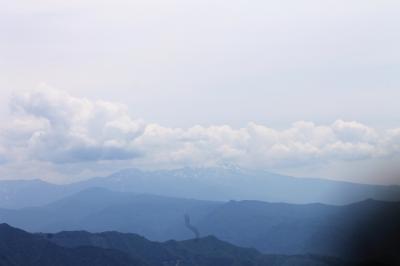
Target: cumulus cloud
[(52, 126)]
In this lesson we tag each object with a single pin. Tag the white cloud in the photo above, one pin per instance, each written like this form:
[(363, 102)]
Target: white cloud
[(52, 126)]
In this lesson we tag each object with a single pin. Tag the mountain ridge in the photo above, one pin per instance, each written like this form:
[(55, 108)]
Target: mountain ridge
[(117, 249), (215, 184), (276, 228)]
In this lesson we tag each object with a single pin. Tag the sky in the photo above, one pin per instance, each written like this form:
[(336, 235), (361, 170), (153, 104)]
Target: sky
[(308, 88)]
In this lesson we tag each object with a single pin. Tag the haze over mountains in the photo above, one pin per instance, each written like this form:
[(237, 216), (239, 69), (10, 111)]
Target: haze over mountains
[(79, 248), (246, 115), (271, 213), (273, 228), (220, 184)]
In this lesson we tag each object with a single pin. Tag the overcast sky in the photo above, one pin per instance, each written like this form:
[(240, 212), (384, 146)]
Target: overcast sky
[(184, 63)]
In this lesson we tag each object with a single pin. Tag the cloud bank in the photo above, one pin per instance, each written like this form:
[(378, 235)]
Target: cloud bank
[(52, 126)]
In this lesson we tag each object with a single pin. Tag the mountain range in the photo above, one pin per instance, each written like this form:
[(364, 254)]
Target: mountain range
[(215, 184), (79, 248), (363, 229)]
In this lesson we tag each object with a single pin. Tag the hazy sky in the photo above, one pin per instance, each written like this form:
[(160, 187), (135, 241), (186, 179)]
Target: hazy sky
[(184, 63)]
